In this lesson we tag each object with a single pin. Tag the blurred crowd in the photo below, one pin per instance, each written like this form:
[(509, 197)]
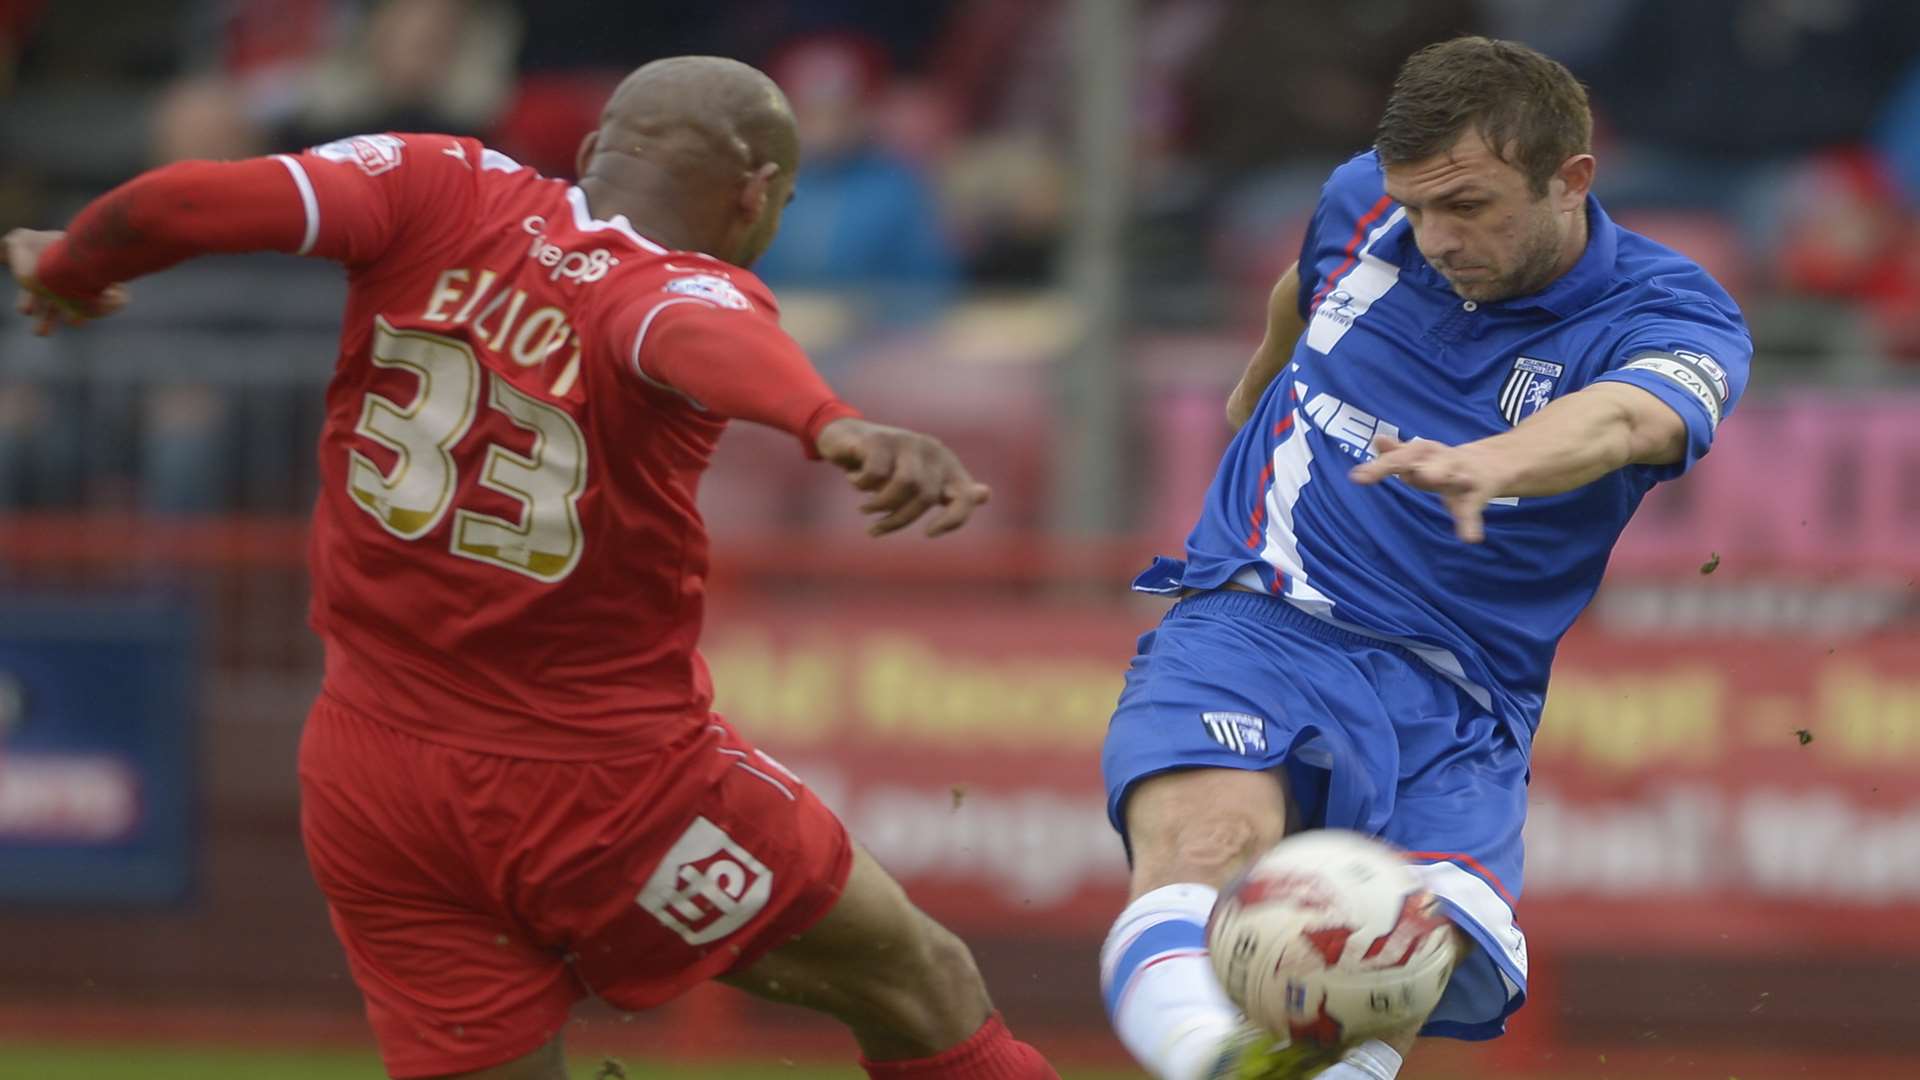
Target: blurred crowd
[(1776, 141), (1780, 139)]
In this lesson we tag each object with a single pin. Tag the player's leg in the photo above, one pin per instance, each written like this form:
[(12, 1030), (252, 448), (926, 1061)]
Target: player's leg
[(1240, 721), (1193, 762), (741, 874), (1190, 832), (453, 985), (1458, 811), (1459, 815), (1203, 824), (1192, 765), (903, 984)]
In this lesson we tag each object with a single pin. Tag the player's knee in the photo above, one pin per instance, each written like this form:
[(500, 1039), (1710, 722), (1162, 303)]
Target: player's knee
[(1202, 825), (1218, 846), (1208, 849)]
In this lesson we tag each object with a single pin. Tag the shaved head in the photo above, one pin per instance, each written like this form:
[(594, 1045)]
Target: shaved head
[(701, 111), (689, 144)]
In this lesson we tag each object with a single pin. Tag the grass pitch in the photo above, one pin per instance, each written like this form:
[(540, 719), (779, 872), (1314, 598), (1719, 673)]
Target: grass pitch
[(60, 1061), (51, 1060)]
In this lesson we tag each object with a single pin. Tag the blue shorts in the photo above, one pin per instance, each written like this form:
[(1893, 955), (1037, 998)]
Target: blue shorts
[(1371, 739)]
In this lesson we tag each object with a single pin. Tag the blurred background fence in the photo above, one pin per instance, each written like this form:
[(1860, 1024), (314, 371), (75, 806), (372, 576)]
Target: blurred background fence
[(1044, 230)]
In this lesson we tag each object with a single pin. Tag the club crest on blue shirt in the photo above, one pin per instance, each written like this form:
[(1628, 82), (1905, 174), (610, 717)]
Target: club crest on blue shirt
[(1529, 387), (1241, 733)]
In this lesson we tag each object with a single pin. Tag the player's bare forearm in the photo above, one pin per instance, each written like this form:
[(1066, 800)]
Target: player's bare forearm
[(1570, 443), (1583, 437), (1284, 327)]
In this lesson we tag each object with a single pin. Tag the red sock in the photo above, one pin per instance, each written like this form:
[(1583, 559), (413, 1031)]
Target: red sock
[(992, 1053)]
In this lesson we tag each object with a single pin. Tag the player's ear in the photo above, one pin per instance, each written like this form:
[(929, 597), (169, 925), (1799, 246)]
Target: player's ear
[(758, 189), (587, 147), (1576, 179)]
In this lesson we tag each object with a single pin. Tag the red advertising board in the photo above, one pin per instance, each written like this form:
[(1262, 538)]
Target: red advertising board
[(960, 741), (1747, 792)]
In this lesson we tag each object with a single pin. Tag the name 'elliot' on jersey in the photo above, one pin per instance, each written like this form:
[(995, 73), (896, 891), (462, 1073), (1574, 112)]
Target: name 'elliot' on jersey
[(507, 554), (1391, 349)]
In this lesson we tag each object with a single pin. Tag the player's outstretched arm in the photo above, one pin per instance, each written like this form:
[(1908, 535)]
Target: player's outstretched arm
[(1570, 443), (907, 473), (735, 361), (1284, 327), (151, 222)]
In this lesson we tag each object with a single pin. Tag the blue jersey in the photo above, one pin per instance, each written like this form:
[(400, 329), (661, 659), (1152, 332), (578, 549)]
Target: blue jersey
[(1391, 349)]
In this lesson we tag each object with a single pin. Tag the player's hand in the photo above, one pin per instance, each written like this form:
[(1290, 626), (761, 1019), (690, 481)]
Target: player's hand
[(24, 248), (908, 474), (1466, 477)]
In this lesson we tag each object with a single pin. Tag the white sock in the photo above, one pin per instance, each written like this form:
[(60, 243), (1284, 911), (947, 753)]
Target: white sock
[(1162, 996), (1371, 1060)]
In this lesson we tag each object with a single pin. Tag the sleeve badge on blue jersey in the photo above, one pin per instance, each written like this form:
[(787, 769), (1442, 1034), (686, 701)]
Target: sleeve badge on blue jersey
[(1529, 387)]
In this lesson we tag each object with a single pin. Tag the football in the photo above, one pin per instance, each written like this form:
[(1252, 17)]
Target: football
[(1329, 937)]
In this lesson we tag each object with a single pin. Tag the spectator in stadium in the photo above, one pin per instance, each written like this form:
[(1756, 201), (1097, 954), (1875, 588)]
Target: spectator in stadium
[(1006, 195), (1711, 103), (418, 65), (248, 64), (1270, 101), (284, 75), (23, 435), (864, 220), (17, 18)]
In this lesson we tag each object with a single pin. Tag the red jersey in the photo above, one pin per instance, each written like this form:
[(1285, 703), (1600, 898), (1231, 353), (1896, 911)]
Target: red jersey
[(506, 552)]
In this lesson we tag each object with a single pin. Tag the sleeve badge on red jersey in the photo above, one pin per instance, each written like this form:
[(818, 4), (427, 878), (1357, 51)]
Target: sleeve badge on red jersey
[(715, 290), (374, 154)]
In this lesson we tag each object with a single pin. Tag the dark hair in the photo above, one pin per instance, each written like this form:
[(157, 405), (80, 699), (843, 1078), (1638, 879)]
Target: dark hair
[(1527, 106)]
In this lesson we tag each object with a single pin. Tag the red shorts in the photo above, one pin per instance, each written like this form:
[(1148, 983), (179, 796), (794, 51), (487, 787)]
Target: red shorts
[(479, 897)]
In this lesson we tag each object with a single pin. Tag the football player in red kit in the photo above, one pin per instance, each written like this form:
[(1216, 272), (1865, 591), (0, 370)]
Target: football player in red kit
[(514, 792)]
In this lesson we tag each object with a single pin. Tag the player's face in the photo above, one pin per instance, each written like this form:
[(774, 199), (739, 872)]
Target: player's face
[(1480, 224)]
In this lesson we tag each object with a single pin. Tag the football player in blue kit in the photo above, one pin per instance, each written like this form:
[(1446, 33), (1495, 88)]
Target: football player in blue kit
[(1469, 380)]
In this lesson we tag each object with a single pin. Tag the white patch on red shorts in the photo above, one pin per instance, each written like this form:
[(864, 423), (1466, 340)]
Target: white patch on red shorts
[(707, 886)]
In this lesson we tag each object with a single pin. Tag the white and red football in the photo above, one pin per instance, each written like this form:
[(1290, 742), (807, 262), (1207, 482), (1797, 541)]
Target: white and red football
[(1330, 937)]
